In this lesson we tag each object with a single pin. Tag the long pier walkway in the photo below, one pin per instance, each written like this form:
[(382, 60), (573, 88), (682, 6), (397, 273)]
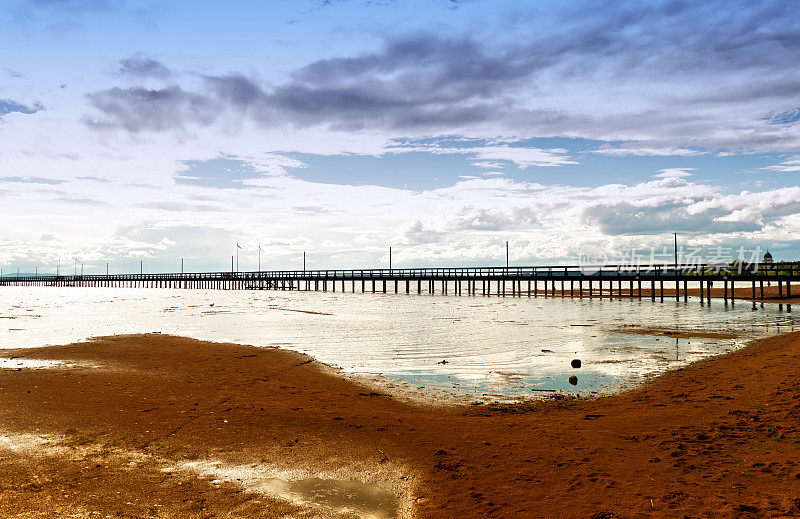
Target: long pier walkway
[(569, 281)]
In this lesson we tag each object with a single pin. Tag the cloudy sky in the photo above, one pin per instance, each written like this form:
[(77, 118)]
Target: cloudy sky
[(159, 130)]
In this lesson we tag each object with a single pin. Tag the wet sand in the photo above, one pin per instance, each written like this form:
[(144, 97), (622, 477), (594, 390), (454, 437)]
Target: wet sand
[(134, 425)]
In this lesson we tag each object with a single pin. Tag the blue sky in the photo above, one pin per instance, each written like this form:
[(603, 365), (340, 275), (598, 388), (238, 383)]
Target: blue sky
[(155, 130)]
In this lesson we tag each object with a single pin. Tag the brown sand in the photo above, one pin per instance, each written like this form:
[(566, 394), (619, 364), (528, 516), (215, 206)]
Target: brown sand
[(720, 438)]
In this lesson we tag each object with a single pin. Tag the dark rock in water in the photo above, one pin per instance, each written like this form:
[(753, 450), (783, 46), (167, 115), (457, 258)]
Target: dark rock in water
[(547, 351), (443, 362), (576, 363), (573, 380), (212, 304)]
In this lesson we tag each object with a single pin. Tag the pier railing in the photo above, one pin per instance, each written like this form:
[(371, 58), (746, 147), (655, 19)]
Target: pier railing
[(693, 271), (600, 279)]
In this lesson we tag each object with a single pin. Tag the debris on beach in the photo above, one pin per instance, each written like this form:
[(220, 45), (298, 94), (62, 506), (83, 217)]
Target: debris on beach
[(573, 380), (444, 361), (576, 363)]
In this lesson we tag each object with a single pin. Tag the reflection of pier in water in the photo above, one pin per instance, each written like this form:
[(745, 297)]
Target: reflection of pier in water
[(610, 281)]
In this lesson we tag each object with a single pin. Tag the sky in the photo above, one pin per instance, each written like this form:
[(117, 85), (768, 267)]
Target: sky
[(149, 132)]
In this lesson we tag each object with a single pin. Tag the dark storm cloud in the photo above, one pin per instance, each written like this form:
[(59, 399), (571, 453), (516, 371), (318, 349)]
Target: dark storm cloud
[(143, 67), (433, 82), (137, 109)]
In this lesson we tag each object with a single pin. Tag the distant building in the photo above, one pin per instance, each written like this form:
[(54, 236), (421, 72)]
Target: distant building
[(767, 258)]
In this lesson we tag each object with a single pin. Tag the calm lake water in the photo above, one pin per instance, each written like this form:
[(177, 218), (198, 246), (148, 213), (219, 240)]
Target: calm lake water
[(491, 345)]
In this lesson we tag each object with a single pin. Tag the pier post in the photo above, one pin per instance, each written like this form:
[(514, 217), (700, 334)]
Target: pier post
[(725, 291), (780, 289)]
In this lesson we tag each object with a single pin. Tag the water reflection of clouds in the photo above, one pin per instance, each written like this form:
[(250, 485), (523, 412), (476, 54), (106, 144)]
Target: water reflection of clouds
[(403, 336)]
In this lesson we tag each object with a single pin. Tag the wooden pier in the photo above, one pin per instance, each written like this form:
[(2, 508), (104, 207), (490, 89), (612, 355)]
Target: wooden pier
[(611, 281)]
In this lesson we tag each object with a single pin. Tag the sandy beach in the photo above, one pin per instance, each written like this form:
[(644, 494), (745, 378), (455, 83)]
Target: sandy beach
[(161, 426)]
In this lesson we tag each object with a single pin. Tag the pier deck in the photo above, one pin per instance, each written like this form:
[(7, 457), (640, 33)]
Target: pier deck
[(648, 281)]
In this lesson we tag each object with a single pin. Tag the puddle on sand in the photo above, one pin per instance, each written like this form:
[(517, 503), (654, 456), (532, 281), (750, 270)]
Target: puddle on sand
[(331, 497), (12, 363), (343, 498)]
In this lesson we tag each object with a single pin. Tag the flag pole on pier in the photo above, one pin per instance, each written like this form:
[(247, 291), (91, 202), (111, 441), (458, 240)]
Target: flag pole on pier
[(390, 260), (506, 254), (304, 261), (676, 250), (237, 256)]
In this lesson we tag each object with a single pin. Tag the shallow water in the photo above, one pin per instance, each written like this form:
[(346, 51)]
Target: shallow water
[(494, 345), (332, 497), (345, 498), (17, 363)]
